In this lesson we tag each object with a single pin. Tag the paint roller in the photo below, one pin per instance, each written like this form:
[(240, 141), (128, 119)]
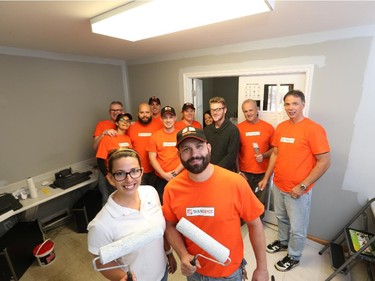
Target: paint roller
[(204, 241), (256, 151), (128, 244), (256, 147)]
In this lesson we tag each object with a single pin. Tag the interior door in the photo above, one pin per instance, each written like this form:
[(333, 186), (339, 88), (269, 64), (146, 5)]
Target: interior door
[(195, 96), (268, 90)]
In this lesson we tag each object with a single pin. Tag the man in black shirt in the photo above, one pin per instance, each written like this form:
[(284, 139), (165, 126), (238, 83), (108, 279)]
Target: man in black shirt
[(223, 136)]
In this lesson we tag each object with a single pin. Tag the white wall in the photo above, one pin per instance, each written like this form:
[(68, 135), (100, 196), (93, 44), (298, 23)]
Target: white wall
[(49, 105), (341, 101)]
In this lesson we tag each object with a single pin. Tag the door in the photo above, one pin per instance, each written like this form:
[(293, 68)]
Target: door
[(195, 96)]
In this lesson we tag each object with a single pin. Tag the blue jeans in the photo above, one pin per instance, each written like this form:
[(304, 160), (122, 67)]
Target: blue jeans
[(293, 220), (236, 276), (165, 277)]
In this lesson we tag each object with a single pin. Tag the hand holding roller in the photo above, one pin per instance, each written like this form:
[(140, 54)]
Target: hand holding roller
[(204, 241)]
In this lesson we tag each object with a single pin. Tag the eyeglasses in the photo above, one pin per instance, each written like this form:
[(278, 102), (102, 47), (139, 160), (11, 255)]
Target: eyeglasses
[(134, 174), (215, 110), (127, 121), (116, 110)]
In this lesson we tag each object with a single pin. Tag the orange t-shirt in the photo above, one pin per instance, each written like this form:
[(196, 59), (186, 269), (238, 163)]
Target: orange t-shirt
[(297, 145), (164, 144), (104, 125), (260, 133), (181, 124), (140, 135), (108, 143), (158, 121), (216, 207)]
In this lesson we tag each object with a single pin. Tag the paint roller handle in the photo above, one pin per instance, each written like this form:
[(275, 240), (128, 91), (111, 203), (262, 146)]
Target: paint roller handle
[(193, 261), (129, 276)]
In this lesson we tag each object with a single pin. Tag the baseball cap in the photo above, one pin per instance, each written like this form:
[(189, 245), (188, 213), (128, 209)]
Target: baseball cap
[(190, 132), (122, 115), (168, 109), (188, 105), (154, 99)]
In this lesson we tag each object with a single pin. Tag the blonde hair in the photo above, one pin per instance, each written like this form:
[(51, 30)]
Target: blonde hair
[(218, 100)]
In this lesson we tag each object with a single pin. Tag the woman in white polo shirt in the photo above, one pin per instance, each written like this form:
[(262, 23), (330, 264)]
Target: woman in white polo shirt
[(132, 205)]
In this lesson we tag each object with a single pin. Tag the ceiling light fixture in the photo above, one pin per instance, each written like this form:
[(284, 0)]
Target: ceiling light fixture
[(143, 19)]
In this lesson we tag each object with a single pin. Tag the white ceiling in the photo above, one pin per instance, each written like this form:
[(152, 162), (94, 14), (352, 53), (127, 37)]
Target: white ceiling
[(64, 27)]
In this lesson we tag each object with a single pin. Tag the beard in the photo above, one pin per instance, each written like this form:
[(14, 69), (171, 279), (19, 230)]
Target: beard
[(197, 168), (145, 120)]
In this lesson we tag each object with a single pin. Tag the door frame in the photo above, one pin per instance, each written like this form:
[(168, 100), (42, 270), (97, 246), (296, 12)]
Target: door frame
[(188, 76)]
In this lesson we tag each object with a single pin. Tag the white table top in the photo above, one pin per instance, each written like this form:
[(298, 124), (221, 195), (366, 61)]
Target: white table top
[(46, 193)]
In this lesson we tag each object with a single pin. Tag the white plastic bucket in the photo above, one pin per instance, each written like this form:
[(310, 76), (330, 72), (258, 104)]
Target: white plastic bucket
[(45, 253)]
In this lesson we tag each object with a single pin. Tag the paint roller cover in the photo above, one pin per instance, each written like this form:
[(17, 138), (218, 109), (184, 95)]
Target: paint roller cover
[(129, 243), (203, 240)]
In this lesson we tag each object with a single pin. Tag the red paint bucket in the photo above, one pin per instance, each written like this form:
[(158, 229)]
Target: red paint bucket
[(45, 253)]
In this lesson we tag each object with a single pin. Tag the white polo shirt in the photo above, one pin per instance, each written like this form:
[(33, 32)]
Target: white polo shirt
[(114, 222)]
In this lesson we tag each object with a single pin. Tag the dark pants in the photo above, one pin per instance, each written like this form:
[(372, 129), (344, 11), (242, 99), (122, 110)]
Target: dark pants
[(105, 188), (159, 186), (253, 180), (148, 179)]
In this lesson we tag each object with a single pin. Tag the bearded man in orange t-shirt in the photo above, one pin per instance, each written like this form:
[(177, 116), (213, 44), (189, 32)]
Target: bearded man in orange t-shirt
[(299, 158), (215, 200), (140, 133)]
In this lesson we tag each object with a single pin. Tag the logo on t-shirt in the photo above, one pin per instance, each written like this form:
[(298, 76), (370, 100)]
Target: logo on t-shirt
[(200, 211)]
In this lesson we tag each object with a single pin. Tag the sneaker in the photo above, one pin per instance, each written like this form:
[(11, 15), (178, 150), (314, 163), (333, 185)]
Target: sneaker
[(286, 264), (276, 246)]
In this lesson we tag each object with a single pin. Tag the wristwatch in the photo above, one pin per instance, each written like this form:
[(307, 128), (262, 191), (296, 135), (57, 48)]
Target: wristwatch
[(303, 187)]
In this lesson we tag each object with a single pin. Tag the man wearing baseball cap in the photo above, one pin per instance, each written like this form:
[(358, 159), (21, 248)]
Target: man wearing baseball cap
[(155, 106), (162, 151), (188, 116), (215, 200)]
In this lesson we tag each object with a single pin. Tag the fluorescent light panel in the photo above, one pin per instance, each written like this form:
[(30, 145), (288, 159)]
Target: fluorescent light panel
[(145, 19)]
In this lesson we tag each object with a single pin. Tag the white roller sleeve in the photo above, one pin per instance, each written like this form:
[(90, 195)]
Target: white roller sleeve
[(203, 240), (129, 243)]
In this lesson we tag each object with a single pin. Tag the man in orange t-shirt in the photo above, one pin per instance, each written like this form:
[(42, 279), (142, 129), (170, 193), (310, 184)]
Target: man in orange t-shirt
[(108, 127), (140, 133), (162, 151), (255, 147), (155, 106), (299, 158), (215, 200)]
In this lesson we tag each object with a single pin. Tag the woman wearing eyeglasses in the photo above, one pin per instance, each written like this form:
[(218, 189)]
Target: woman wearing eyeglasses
[(109, 143), (130, 207)]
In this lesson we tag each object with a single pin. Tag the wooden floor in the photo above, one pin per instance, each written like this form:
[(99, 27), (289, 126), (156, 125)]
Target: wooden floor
[(74, 263)]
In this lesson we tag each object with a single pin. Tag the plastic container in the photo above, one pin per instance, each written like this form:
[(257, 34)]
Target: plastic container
[(45, 253)]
